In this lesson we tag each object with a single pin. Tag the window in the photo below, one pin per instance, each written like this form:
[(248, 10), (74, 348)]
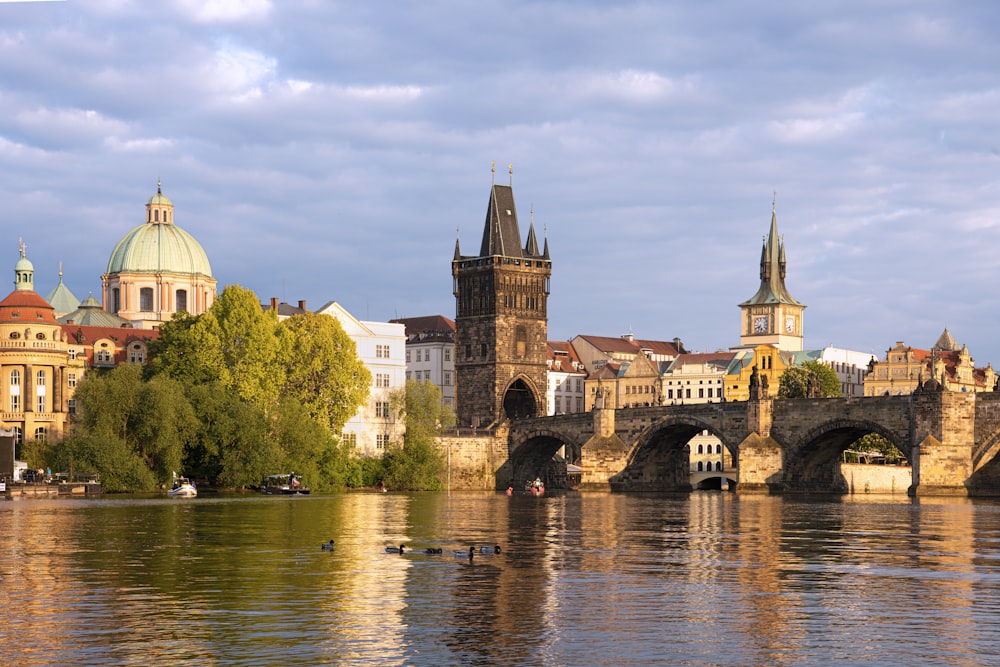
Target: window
[(382, 409), (103, 356), (116, 300), (558, 406), (71, 379), (701, 449), (482, 350), (15, 391), (447, 354), (407, 356), (146, 299), (41, 433), (381, 440), (71, 406), (447, 378), (18, 435), (40, 402), (468, 351), (701, 466), (382, 352), (182, 300), (136, 354), (408, 375), (72, 355), (381, 380), (349, 439)]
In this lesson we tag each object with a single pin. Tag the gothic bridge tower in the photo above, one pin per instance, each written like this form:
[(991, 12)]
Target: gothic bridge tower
[(501, 319)]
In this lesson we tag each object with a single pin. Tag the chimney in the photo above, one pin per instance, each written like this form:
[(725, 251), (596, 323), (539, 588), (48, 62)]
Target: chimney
[(302, 305), (274, 304)]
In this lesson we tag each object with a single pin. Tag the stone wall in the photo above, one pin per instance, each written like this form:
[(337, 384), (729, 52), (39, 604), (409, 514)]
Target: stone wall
[(475, 461), (876, 479)]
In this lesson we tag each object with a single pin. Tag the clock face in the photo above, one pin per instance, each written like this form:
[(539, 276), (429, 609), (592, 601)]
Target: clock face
[(790, 324), (759, 324)]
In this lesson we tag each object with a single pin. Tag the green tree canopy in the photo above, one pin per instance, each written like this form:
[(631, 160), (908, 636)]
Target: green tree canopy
[(812, 379), (418, 464), (323, 371), (234, 342)]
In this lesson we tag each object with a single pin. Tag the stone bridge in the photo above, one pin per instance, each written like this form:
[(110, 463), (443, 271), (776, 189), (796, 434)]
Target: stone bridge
[(951, 439)]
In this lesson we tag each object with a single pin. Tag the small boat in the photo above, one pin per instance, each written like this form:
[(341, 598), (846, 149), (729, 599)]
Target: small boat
[(182, 487), (535, 488), (287, 484)]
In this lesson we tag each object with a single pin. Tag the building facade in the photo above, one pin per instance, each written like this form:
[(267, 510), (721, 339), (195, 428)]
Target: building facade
[(35, 392), (430, 353), (157, 270), (381, 347), (501, 320), (904, 368), (566, 380)]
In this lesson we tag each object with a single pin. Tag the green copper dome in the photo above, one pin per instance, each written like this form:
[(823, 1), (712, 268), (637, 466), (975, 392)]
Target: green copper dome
[(159, 248)]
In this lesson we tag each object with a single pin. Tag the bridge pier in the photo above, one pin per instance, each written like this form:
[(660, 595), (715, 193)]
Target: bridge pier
[(944, 438), (760, 465)]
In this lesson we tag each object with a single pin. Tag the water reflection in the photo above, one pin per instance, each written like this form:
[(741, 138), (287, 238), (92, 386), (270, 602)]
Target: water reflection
[(594, 579)]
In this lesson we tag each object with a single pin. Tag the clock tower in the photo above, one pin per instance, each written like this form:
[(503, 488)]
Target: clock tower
[(772, 316)]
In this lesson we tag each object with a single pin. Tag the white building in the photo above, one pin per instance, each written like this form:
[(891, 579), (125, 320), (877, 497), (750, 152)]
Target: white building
[(430, 353), (850, 367), (566, 374), (381, 346)]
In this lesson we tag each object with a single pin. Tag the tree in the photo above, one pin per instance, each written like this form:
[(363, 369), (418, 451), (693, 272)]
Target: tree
[(234, 342), (812, 379), (873, 442), (418, 464), (323, 370)]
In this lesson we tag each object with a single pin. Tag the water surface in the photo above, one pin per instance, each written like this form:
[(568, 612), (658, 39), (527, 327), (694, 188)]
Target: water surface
[(591, 579)]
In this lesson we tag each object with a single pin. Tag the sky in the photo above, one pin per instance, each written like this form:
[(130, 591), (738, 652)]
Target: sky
[(332, 150)]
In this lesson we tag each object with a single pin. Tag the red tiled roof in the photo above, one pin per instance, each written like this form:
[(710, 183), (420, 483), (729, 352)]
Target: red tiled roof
[(426, 324), (610, 344), (26, 306)]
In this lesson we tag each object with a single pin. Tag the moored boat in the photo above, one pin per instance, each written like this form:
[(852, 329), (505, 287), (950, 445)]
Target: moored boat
[(283, 485), (182, 488)]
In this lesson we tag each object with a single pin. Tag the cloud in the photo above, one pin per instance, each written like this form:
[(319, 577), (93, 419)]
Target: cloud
[(225, 11)]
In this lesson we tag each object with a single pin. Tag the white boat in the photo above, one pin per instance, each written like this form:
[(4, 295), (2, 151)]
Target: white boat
[(182, 488)]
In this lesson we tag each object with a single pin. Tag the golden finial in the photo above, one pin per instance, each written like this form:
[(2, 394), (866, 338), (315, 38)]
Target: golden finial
[(158, 190), (774, 202), (493, 171), (21, 246), (60, 269), (510, 171)]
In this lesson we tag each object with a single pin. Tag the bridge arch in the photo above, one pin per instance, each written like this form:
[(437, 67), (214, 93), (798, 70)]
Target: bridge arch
[(532, 454), (812, 462), (659, 459)]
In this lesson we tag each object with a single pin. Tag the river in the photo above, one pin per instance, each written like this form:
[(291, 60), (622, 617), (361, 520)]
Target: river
[(581, 579)]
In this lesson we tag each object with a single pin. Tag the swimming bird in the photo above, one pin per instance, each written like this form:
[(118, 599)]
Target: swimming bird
[(394, 550), (431, 551), (327, 546), (466, 554), (495, 549)]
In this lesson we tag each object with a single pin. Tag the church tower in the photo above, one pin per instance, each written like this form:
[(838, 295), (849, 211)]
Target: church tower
[(772, 316), (501, 319)]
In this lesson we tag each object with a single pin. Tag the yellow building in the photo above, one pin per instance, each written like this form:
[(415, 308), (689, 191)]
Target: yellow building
[(905, 367), (768, 361), (35, 362)]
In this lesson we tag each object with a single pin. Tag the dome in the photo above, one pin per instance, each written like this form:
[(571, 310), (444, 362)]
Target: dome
[(159, 248), (24, 264)]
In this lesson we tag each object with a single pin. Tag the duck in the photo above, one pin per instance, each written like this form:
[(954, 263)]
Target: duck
[(431, 551), (327, 546), (495, 549), (395, 550), (466, 554)]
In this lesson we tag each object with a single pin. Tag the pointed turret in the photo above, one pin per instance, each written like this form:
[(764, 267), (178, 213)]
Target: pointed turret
[(772, 271), (531, 247), (946, 342)]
